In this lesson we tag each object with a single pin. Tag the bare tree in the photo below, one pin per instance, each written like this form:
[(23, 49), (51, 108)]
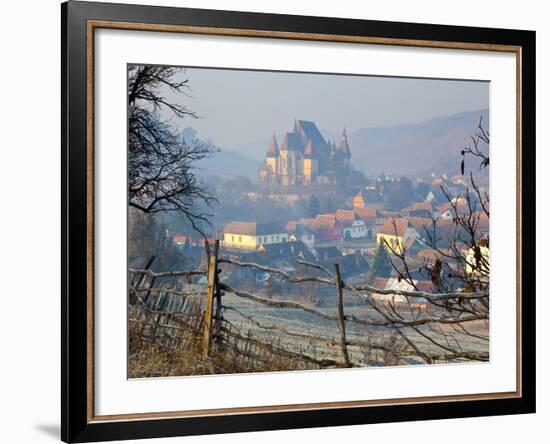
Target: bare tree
[(460, 263), (162, 166)]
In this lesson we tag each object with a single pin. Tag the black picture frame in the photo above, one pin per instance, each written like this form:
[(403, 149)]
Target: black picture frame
[(76, 423)]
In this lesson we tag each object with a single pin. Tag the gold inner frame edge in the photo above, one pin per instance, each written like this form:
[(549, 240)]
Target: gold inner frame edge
[(92, 25)]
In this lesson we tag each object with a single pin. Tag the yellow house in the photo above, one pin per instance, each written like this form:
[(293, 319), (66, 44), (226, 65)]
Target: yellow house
[(358, 201), (250, 235), (396, 233)]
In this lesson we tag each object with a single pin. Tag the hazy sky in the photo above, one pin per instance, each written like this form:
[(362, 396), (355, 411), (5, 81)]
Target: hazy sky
[(240, 107)]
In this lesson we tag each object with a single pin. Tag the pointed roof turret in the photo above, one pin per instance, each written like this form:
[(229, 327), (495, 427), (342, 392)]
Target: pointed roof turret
[(273, 149), (344, 147)]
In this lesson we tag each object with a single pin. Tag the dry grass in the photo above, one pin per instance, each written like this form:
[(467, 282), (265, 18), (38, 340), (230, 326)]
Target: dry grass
[(164, 357), (171, 344)]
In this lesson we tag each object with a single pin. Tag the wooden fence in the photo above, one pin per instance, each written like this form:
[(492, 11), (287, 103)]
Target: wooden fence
[(174, 315)]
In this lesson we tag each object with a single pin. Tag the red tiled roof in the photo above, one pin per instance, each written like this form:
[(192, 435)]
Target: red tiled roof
[(424, 285), (291, 226), (321, 221), (179, 239), (421, 224), (422, 206), (346, 214), (369, 215), (483, 221), (253, 228), (324, 221), (380, 282), (394, 226)]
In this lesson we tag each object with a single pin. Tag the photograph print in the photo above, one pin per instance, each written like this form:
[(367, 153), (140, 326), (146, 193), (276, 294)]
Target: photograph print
[(283, 221)]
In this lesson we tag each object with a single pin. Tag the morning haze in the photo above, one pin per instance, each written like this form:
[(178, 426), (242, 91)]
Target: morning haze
[(240, 109), (343, 222)]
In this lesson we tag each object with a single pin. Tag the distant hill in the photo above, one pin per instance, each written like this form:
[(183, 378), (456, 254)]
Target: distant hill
[(420, 148), (413, 149), (226, 164)]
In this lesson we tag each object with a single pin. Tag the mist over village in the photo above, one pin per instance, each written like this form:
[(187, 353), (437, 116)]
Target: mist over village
[(278, 243)]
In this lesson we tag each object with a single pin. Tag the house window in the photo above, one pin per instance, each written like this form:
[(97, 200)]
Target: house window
[(240, 239), (265, 239), (232, 238)]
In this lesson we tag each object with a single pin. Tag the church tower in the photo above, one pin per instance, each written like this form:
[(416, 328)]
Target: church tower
[(272, 157), (290, 159), (344, 151)]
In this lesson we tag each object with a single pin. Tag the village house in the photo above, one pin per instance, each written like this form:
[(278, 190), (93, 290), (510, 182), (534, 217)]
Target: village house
[(418, 209), (401, 284), (410, 212), (478, 263), (445, 212), (370, 197), (396, 233), (250, 235), (327, 228), (354, 227), (482, 225), (429, 256), (458, 205), (373, 218), (300, 232), (283, 256), (181, 240), (459, 179), (430, 197), (350, 264), (439, 179), (422, 225)]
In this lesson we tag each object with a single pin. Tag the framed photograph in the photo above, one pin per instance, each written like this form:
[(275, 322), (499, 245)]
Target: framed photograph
[(275, 221)]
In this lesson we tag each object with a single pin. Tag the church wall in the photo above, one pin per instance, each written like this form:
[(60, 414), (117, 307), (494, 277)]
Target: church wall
[(272, 162)]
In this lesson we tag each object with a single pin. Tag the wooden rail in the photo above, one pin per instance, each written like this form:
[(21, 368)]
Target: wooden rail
[(217, 330)]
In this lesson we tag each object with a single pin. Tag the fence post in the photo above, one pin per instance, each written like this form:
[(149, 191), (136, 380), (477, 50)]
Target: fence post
[(138, 280), (341, 319), (212, 273), (218, 296)]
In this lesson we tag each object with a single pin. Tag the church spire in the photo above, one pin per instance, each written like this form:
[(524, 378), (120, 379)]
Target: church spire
[(344, 147), (273, 149)]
